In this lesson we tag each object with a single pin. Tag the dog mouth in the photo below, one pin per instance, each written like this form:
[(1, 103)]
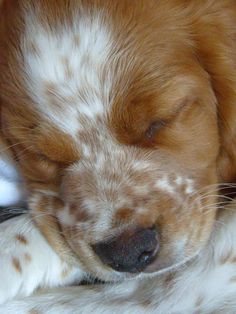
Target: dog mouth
[(156, 268), (117, 262), (159, 267), (154, 264), (160, 261)]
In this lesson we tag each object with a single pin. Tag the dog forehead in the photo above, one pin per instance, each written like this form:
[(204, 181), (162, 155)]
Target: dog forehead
[(67, 71)]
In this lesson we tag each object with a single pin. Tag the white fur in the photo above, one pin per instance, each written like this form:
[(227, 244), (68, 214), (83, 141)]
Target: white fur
[(12, 189), (40, 265), (85, 94), (65, 217), (165, 185), (10, 192)]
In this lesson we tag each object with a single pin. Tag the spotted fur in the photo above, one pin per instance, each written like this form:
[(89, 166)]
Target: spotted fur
[(205, 285), (119, 117)]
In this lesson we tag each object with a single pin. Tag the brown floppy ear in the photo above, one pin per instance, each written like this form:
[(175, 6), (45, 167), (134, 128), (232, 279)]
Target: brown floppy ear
[(217, 54)]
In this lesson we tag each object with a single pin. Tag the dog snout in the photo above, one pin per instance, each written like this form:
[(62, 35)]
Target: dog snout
[(132, 251)]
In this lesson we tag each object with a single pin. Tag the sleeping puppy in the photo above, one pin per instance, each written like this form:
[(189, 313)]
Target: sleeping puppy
[(122, 120)]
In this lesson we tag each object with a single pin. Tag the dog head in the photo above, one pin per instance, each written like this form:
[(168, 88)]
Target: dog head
[(117, 119)]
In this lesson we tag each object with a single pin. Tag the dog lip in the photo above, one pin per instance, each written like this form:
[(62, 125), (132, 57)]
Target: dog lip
[(157, 265), (160, 267)]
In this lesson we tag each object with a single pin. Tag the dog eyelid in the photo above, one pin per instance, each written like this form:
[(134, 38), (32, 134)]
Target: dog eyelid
[(154, 128)]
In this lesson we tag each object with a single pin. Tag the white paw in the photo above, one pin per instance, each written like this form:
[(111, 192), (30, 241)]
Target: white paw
[(14, 258), (27, 262)]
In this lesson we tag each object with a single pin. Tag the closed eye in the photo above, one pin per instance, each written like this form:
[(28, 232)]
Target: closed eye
[(154, 128)]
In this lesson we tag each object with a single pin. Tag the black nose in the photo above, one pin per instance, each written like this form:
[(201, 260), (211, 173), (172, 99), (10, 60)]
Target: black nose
[(131, 251)]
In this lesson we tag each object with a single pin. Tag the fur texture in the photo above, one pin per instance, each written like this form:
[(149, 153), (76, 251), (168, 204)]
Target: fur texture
[(121, 116), (206, 285)]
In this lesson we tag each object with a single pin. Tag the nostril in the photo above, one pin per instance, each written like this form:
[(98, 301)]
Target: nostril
[(132, 251)]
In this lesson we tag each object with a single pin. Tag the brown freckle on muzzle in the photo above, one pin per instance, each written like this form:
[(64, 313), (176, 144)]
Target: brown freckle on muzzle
[(80, 214), (57, 204), (124, 214)]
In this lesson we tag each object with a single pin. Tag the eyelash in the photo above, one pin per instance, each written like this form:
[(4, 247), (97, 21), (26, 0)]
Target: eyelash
[(154, 128)]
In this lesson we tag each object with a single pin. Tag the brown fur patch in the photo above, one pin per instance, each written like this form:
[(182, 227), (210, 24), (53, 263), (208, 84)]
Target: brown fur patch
[(57, 146), (22, 239), (16, 264), (124, 214)]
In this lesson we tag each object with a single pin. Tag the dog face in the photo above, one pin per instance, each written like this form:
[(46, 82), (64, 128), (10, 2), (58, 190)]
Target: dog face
[(113, 120)]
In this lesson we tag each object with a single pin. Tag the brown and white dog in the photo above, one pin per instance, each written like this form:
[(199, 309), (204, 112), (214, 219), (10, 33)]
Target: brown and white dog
[(122, 119)]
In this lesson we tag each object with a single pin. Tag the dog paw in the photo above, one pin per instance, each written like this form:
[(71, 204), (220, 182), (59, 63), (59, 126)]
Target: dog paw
[(27, 262)]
